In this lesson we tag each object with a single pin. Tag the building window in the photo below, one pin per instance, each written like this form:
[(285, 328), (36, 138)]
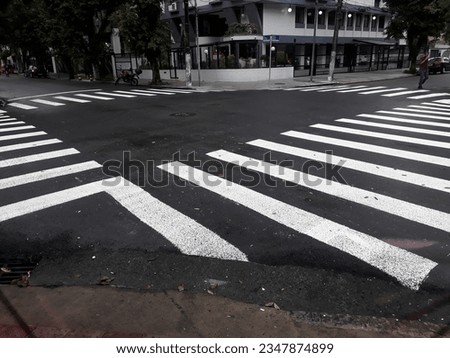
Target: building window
[(321, 19), (381, 23), (358, 21), (310, 15), (366, 23), (299, 16), (376, 3), (349, 21), (331, 19)]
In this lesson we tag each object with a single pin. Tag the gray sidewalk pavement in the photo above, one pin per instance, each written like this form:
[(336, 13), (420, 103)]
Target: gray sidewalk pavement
[(321, 80)]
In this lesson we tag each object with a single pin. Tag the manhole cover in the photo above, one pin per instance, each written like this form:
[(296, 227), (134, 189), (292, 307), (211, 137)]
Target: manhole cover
[(16, 270), (183, 114)]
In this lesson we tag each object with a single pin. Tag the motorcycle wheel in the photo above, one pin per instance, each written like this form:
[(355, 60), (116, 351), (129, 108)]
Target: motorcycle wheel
[(134, 82)]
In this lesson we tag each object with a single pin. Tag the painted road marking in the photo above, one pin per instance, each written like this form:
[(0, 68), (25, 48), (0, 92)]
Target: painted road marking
[(354, 89), (385, 136), (49, 103), (395, 127), (11, 123), (402, 113), (7, 119), (405, 120), (416, 110), (12, 147), (94, 97), (335, 89), (37, 157), (406, 267), (55, 94), (443, 101), (154, 92), (382, 90), (12, 129), (415, 156), (137, 93), (416, 213), (423, 181), (431, 95), (21, 135), (174, 90), (21, 106), (404, 93), (47, 174), (72, 99), (430, 107), (116, 94)]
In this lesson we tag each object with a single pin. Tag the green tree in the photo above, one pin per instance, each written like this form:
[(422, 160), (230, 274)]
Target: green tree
[(415, 21), (142, 30)]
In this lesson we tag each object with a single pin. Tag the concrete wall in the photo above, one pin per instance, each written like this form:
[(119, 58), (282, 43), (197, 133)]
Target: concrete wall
[(228, 75)]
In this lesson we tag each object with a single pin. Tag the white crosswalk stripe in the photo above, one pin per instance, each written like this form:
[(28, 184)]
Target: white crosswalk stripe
[(103, 98), (382, 90), (11, 123), (21, 135), (137, 93), (13, 129), (21, 105), (430, 95), (354, 89), (403, 93), (49, 103), (405, 120), (403, 112), (72, 99), (37, 157), (417, 110), (116, 94), (408, 268), (12, 147)]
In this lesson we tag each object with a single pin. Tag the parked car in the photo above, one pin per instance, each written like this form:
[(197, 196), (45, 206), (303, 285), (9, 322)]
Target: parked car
[(438, 64)]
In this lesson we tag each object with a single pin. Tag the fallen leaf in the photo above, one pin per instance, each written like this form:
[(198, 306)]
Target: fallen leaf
[(105, 280)]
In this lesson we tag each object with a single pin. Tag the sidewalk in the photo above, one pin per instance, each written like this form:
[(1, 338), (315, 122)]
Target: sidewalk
[(321, 80), (105, 312)]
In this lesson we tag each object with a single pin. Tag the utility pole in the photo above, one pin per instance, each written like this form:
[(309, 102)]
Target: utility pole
[(187, 48), (197, 43), (337, 25), (313, 56)]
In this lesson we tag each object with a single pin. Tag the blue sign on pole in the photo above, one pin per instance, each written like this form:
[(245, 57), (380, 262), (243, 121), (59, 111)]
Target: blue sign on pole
[(271, 37)]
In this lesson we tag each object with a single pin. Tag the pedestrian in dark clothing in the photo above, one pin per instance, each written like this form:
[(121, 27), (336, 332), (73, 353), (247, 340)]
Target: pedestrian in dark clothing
[(423, 68)]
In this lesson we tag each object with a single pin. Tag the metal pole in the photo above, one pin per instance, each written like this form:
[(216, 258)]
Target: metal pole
[(197, 43), (270, 57), (337, 24), (312, 62), (187, 48)]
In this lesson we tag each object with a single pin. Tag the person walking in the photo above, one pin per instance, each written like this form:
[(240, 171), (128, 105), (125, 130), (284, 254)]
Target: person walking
[(423, 67)]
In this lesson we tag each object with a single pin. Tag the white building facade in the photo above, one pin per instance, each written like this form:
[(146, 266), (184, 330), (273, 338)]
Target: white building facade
[(240, 33)]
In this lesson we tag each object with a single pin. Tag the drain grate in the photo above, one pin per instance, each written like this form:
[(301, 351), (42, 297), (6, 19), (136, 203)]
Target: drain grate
[(16, 270)]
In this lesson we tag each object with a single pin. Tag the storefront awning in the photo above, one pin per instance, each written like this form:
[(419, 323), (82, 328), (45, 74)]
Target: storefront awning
[(375, 42)]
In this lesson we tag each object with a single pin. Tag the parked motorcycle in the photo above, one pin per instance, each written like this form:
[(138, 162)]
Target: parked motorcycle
[(129, 77), (35, 72)]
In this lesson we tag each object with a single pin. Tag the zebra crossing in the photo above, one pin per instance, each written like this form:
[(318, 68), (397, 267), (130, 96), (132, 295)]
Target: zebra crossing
[(87, 96), (418, 140), (365, 90)]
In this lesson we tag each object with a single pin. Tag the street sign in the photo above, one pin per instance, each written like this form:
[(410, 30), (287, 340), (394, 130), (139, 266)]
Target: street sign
[(271, 37)]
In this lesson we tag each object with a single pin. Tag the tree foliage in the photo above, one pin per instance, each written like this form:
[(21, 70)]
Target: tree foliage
[(143, 31), (416, 21)]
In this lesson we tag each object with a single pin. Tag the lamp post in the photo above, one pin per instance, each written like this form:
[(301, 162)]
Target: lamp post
[(337, 24), (197, 43)]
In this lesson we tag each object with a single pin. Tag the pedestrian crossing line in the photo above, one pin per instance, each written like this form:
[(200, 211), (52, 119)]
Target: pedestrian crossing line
[(443, 101), (12, 147), (49, 103), (440, 110), (47, 174), (405, 120), (37, 157), (318, 88), (395, 127), (137, 93), (335, 89), (2, 111), (11, 123), (154, 92), (354, 89), (421, 115), (187, 235), (173, 91), (57, 94), (4, 117), (420, 180), (416, 110), (116, 94), (382, 90), (94, 97), (404, 93), (408, 268), (72, 99), (9, 119), (12, 129), (21, 135), (398, 153), (431, 95), (438, 105), (385, 136), (21, 105), (416, 213)]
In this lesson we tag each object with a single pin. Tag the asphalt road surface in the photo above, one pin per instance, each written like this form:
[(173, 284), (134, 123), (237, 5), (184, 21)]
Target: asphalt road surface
[(328, 199)]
